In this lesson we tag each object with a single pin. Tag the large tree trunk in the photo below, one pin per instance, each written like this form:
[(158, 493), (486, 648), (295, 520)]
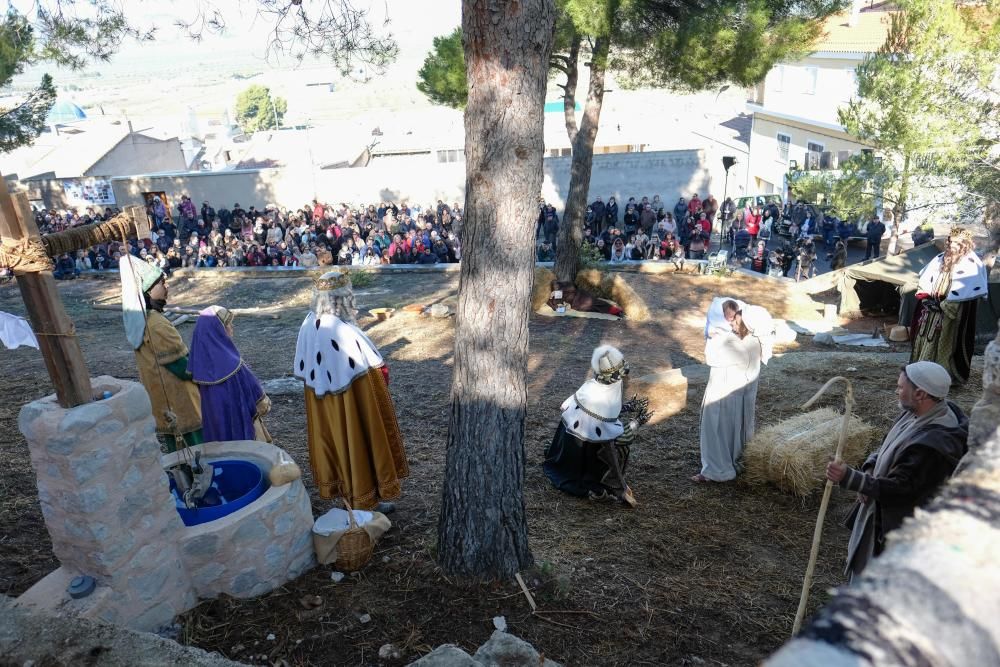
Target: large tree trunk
[(571, 229), (933, 596), (483, 528)]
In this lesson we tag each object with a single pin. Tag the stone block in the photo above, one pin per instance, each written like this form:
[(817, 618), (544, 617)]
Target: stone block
[(134, 404), (145, 557), (201, 546), (303, 542), (53, 471), (251, 530), (301, 565), (63, 446), (284, 523), (206, 578), (107, 558), (133, 476), (108, 427), (447, 655), (276, 558), (263, 587), (154, 618), (131, 505), (244, 582), (85, 417), (27, 418), (149, 586), (94, 499), (146, 448), (85, 468), (505, 649)]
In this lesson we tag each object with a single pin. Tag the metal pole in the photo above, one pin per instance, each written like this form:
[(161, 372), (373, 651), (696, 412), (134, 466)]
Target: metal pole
[(725, 194)]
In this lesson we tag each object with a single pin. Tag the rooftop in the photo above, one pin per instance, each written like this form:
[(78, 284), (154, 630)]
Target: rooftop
[(866, 36)]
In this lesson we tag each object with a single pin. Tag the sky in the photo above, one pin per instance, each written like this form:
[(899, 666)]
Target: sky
[(414, 23)]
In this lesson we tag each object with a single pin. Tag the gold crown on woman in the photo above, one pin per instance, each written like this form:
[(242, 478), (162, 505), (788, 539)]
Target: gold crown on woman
[(333, 280), (960, 234)]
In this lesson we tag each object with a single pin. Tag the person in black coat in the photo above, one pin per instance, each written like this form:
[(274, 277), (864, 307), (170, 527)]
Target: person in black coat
[(873, 236)]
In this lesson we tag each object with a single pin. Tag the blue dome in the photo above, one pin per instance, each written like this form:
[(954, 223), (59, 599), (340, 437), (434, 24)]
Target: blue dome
[(64, 112)]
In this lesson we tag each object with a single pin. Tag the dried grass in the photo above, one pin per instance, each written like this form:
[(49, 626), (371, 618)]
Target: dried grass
[(793, 454), (541, 289)]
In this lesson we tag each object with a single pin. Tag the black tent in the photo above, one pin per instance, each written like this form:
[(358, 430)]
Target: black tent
[(889, 284)]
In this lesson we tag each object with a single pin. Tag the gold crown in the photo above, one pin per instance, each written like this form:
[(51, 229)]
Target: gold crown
[(960, 234), (612, 374), (343, 279)]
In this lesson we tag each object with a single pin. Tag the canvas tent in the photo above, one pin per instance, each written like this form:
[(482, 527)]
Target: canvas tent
[(889, 285)]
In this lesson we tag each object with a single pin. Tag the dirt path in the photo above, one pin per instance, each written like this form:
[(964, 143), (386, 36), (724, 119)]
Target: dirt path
[(697, 573)]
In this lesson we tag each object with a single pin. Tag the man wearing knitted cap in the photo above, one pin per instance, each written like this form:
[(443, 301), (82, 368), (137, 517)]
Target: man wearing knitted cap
[(160, 354), (918, 454)]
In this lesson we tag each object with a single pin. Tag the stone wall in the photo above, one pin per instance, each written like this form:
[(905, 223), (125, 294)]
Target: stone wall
[(107, 508), (670, 174)]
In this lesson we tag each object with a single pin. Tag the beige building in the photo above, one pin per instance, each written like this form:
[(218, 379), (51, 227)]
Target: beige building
[(795, 124)]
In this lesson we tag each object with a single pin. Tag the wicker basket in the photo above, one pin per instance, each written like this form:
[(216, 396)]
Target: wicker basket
[(354, 548)]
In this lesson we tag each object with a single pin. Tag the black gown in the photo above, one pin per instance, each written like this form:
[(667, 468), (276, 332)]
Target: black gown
[(578, 467)]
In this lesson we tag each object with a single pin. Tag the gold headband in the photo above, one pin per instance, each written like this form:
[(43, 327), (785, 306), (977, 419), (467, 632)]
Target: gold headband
[(332, 283), (610, 373)]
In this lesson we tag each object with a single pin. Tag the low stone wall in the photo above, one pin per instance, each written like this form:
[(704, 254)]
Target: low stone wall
[(258, 548)]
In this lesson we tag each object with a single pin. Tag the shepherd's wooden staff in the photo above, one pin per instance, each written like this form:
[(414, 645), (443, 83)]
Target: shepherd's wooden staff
[(818, 533)]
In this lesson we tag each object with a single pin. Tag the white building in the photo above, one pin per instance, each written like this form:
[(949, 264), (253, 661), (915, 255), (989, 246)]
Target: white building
[(794, 109)]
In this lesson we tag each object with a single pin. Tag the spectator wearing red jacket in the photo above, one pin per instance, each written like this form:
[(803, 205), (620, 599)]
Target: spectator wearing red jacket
[(694, 205), (751, 223)]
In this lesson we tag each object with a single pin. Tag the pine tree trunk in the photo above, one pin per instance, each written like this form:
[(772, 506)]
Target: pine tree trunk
[(931, 598), (483, 530), (900, 211), (571, 228)]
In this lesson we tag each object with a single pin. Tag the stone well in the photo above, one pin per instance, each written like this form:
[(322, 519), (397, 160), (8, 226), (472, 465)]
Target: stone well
[(257, 548), (109, 511)]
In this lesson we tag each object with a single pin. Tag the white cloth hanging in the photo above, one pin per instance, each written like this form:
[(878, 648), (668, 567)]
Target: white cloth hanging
[(15, 332)]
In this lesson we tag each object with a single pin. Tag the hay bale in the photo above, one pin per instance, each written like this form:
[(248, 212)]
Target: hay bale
[(541, 288), (614, 287), (793, 454)]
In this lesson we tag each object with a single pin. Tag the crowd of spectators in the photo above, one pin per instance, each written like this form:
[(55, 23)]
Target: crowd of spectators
[(313, 235), (322, 234), (645, 230)]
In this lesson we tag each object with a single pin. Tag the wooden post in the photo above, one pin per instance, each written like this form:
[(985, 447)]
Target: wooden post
[(58, 344)]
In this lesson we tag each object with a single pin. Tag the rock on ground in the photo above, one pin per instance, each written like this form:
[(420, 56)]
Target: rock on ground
[(501, 649), (29, 637)]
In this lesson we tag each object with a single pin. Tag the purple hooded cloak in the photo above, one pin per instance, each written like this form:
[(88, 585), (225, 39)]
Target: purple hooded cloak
[(229, 389)]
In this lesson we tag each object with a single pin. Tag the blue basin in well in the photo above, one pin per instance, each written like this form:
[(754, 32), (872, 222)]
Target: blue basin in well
[(235, 484)]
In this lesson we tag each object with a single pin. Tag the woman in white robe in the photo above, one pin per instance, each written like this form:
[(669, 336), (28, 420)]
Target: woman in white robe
[(728, 408)]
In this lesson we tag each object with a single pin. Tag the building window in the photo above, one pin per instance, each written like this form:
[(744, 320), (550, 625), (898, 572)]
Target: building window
[(784, 142), (814, 147), (811, 75), (451, 156)]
